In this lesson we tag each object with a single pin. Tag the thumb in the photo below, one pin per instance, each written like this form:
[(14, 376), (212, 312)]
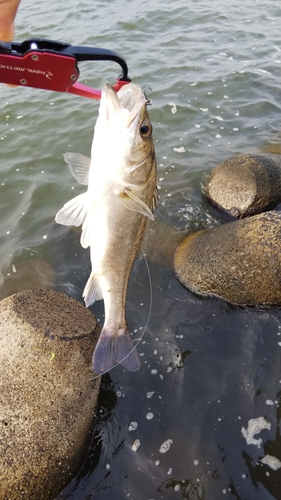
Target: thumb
[(7, 32), (8, 10)]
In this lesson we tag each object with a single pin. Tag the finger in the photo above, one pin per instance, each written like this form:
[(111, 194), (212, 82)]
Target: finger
[(8, 10)]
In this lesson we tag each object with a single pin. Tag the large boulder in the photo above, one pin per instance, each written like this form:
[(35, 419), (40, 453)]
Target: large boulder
[(48, 392), (246, 184), (239, 261)]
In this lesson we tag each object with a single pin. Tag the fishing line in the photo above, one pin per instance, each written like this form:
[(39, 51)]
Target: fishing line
[(147, 321)]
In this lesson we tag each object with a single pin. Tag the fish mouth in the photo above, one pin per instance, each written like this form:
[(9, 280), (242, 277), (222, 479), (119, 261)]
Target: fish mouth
[(126, 104)]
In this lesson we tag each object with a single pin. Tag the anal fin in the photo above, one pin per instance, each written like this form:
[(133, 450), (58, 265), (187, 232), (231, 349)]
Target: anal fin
[(92, 290)]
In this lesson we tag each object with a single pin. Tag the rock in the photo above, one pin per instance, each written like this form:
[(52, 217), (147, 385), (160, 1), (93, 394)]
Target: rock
[(246, 184), (239, 261), (48, 392)]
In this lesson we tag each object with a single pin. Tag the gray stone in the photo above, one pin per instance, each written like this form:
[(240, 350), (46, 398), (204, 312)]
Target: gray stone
[(239, 261), (246, 184), (48, 392)]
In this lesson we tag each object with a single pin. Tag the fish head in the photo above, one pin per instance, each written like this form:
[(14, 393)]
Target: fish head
[(123, 135)]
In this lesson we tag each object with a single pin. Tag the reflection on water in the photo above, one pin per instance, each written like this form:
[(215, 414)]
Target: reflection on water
[(207, 367)]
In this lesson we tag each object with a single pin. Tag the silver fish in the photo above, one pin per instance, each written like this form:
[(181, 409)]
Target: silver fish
[(121, 196)]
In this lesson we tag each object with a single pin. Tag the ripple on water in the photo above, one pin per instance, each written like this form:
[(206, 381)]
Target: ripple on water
[(216, 367)]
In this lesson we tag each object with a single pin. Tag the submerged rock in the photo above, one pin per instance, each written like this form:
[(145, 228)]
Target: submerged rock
[(48, 392), (239, 261), (27, 275), (246, 184)]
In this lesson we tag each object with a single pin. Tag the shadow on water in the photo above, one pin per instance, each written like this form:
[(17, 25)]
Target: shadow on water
[(105, 432)]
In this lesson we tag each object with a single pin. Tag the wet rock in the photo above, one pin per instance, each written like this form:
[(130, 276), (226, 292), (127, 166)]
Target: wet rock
[(48, 392), (246, 184), (239, 261)]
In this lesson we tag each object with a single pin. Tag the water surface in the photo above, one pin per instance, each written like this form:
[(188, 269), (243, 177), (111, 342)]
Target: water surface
[(207, 367)]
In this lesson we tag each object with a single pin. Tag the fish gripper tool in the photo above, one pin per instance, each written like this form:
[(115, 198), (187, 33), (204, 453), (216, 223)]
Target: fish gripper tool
[(51, 65)]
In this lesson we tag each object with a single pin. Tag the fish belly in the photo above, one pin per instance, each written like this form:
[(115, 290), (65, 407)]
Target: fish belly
[(113, 252)]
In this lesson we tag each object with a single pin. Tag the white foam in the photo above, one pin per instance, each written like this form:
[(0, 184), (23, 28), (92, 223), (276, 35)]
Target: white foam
[(133, 426), (149, 415), (272, 462), (150, 394), (166, 446), (136, 444), (255, 426), (173, 107), (179, 150)]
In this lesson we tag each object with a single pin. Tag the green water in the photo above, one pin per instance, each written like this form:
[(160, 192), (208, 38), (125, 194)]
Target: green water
[(214, 69)]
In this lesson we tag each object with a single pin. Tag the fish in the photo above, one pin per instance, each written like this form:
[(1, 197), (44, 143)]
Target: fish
[(113, 212)]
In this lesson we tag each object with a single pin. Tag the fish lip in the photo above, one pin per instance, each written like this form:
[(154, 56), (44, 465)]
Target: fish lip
[(107, 87), (112, 99), (109, 98)]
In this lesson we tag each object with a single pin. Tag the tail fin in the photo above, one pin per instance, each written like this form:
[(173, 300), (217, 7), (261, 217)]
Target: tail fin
[(115, 347)]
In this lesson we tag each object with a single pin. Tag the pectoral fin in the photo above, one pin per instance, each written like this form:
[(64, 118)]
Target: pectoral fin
[(155, 198), (79, 166), (74, 212), (132, 202)]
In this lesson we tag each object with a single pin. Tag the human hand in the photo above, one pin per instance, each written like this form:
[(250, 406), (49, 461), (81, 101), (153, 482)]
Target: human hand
[(8, 11)]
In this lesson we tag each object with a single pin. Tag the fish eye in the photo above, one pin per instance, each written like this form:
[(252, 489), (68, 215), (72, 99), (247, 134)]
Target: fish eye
[(145, 130)]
